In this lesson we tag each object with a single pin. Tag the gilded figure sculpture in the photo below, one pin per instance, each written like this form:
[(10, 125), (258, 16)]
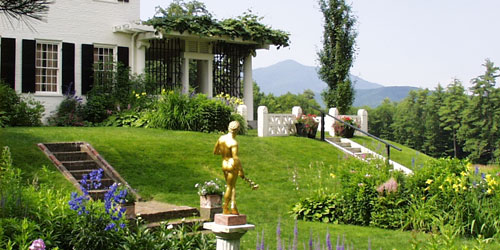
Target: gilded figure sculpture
[(227, 147)]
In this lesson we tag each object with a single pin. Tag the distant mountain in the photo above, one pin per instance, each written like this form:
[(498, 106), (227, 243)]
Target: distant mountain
[(374, 97), (291, 76)]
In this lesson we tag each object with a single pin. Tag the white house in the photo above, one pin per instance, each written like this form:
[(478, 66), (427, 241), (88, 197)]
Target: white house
[(58, 55)]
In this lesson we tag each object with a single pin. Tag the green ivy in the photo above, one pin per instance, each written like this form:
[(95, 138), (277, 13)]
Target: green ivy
[(247, 27)]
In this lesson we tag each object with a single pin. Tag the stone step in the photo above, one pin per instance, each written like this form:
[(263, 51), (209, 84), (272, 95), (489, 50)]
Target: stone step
[(333, 139), (105, 183), (78, 174), (80, 165), (344, 144), (366, 156), (64, 147), (97, 194), (154, 211), (192, 223), (354, 150), (72, 156)]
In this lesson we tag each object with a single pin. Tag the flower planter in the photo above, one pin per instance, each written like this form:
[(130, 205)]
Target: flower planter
[(346, 132), (210, 205), (303, 131)]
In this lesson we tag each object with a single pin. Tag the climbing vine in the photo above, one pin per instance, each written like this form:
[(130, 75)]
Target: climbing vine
[(195, 19)]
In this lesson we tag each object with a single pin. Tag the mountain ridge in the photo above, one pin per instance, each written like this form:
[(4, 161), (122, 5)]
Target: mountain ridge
[(290, 76)]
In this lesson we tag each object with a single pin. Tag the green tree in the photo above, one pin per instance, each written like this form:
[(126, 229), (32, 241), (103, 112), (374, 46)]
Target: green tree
[(408, 126), (481, 118), (337, 54), (450, 114), (381, 118), (435, 137)]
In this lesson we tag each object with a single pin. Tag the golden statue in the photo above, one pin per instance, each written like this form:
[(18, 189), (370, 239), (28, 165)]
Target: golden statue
[(227, 147)]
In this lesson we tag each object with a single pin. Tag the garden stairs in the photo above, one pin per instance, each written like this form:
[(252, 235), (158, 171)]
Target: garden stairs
[(354, 149), (76, 159)]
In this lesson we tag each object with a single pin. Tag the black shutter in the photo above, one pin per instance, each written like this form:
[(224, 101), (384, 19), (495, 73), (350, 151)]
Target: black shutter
[(123, 56), (68, 68), (87, 67), (8, 59), (28, 66)]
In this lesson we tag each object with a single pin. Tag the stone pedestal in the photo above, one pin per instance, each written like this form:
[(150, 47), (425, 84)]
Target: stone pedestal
[(229, 235)]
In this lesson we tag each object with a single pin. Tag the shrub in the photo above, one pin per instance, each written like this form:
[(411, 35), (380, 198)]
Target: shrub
[(68, 113), (16, 110), (176, 111), (444, 192)]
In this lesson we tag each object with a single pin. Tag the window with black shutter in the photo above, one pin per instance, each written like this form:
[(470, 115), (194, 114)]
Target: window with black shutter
[(28, 66), (8, 61), (87, 67), (68, 68)]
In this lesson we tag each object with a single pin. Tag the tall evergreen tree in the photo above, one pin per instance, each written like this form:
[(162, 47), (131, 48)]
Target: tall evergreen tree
[(409, 125), (381, 119), (337, 54), (481, 119), (450, 114), (435, 137)]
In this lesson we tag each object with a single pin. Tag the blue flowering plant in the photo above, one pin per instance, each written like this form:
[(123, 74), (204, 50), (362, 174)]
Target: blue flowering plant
[(99, 223)]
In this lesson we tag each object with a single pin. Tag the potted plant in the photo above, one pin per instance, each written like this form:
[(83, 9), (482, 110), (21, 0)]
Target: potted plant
[(306, 125), (210, 194), (343, 130)]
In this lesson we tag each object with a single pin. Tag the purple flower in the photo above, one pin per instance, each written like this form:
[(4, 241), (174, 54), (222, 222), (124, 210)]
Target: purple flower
[(278, 236), (328, 241), (37, 245)]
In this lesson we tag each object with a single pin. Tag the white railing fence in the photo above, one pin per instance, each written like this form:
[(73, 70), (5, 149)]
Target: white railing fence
[(284, 124)]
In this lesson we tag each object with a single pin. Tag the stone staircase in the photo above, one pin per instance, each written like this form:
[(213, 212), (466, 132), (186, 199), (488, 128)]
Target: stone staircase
[(356, 150), (76, 159)]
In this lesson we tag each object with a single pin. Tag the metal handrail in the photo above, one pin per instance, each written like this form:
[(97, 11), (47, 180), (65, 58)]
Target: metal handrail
[(387, 145)]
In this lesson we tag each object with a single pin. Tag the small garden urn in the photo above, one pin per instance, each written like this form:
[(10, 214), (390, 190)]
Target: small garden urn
[(210, 205)]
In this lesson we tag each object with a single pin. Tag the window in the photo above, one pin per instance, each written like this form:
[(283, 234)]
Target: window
[(47, 67), (103, 63)]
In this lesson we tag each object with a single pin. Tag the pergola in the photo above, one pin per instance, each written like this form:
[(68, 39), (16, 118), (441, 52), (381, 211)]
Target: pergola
[(208, 65)]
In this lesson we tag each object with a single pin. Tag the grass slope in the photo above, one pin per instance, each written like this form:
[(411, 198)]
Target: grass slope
[(165, 165), (403, 157)]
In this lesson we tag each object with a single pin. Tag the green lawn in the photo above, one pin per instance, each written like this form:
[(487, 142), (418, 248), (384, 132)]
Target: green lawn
[(403, 157), (165, 165)]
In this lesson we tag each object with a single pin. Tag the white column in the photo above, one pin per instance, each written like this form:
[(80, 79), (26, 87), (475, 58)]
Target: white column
[(210, 78), (297, 111), (242, 110), (140, 57), (335, 113), (262, 122), (248, 86), (185, 75), (363, 120)]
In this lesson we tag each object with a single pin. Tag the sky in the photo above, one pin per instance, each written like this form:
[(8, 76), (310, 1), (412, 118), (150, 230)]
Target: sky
[(399, 43)]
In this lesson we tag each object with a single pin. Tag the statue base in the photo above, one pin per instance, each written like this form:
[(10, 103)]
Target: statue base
[(230, 219), (228, 236)]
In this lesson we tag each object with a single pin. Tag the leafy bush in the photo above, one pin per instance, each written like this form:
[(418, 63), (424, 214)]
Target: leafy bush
[(17, 110), (68, 113), (176, 111), (444, 192)]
